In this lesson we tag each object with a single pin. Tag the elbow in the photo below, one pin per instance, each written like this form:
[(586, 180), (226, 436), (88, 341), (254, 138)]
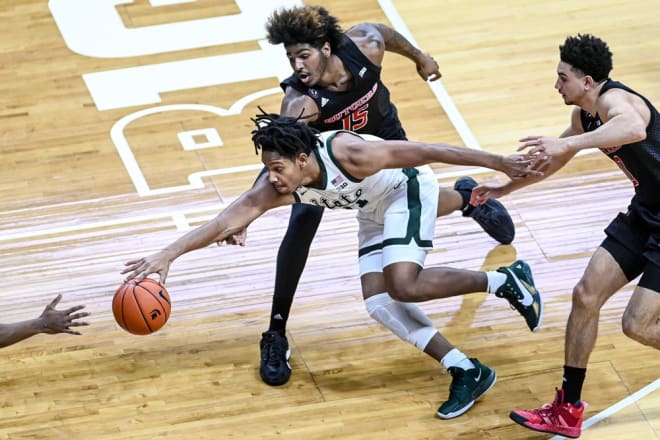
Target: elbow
[(635, 130)]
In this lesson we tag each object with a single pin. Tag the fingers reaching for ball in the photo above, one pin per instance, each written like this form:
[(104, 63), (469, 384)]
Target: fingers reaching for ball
[(139, 269), (60, 321)]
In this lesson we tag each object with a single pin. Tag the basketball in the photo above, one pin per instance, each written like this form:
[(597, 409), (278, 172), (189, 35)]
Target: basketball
[(141, 308)]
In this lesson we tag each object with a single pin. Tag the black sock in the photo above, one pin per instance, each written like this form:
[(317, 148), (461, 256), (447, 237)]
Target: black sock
[(291, 259), (465, 206), (572, 384)]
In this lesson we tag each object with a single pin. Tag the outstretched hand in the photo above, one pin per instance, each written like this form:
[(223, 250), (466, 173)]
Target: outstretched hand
[(155, 263), (542, 149), (237, 239), (428, 68), (59, 321), (518, 166), (481, 193)]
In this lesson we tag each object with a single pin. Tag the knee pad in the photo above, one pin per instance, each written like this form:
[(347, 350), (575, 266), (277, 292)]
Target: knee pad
[(405, 320)]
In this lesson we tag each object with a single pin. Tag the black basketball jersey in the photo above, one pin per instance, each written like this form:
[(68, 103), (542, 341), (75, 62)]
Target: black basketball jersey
[(365, 108), (640, 161)]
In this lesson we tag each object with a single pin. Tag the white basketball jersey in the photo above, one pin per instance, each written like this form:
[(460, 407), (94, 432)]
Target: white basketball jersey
[(341, 190)]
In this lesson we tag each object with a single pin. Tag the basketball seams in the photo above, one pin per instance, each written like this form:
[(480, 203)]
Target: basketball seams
[(122, 294), (132, 307), (139, 304), (157, 298)]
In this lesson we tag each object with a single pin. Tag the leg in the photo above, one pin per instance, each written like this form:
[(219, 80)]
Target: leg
[(641, 319), (492, 216), (291, 259), (405, 282), (449, 201), (404, 233), (470, 378), (601, 279)]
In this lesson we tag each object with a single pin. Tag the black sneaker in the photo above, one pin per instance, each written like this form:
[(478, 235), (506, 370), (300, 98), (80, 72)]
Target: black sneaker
[(275, 353), (492, 216), (519, 290), (467, 386)]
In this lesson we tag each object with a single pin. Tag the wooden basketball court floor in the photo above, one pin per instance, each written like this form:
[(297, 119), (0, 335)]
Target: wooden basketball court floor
[(124, 123)]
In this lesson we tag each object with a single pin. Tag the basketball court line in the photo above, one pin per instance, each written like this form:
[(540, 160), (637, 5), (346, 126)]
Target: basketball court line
[(447, 104), (179, 217), (638, 395), (195, 180), (180, 220)]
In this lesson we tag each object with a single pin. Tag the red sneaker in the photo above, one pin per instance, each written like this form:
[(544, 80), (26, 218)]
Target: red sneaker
[(557, 417)]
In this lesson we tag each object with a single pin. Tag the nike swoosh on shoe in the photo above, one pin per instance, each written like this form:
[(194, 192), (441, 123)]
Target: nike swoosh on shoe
[(528, 297)]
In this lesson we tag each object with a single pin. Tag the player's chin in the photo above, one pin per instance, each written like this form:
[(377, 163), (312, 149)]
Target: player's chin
[(282, 189)]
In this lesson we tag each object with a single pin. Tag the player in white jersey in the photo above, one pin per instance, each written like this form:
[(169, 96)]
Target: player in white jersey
[(397, 206), (396, 197)]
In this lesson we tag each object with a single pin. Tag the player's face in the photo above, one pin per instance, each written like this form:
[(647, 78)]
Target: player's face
[(283, 173), (308, 63), (570, 83)]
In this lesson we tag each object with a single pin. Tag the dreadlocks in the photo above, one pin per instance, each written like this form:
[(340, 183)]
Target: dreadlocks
[(589, 54), (307, 24), (283, 134)]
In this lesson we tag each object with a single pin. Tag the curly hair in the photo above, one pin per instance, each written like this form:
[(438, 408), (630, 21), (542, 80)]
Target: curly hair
[(312, 25), (589, 54), (284, 135)]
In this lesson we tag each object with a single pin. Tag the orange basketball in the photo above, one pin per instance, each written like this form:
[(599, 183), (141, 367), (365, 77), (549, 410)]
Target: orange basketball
[(141, 308)]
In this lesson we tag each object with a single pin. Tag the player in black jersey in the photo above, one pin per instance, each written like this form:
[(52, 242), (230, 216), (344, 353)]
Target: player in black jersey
[(625, 126), (336, 85)]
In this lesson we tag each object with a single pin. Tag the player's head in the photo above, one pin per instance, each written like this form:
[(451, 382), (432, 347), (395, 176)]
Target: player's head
[(310, 35), (588, 55), (312, 25), (286, 145), (586, 61)]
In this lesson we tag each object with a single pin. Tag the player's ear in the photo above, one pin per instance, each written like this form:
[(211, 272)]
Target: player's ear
[(326, 50), (589, 82), (302, 160)]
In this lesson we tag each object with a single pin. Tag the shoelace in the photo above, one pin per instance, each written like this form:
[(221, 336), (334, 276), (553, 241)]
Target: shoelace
[(518, 305), (550, 411), (274, 351), (459, 378)]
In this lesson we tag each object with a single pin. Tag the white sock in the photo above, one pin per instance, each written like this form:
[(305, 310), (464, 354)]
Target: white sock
[(456, 358), (495, 281)]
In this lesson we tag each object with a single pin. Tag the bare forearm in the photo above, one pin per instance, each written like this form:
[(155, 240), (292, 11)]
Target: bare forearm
[(13, 333), (555, 164), (366, 158), (612, 134), (198, 238), (454, 155), (397, 43)]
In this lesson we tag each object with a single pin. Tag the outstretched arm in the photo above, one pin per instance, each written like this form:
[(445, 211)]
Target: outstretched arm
[(548, 160), (374, 39), (363, 158), (625, 117), (51, 321), (234, 218)]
